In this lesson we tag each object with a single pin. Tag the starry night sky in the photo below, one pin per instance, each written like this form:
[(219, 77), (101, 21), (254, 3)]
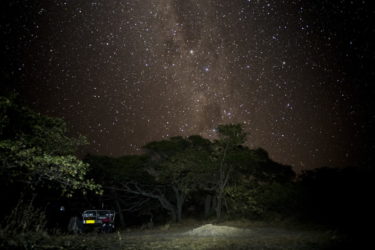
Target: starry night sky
[(297, 74)]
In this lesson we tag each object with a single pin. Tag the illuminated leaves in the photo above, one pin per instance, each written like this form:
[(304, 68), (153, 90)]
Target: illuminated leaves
[(35, 149)]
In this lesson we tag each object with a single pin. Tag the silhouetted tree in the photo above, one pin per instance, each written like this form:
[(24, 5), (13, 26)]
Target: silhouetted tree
[(177, 164), (170, 171), (253, 180), (114, 174), (230, 137), (35, 150)]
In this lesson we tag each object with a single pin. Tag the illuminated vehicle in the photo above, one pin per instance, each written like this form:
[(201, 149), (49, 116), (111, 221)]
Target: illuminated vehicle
[(101, 220)]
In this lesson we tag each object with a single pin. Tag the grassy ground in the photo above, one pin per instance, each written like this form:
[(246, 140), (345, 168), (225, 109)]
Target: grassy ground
[(193, 235), (230, 235)]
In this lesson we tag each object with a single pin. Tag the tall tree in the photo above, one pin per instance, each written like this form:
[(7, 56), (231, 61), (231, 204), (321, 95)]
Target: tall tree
[(35, 149), (176, 163), (162, 174), (256, 178), (231, 136), (117, 175)]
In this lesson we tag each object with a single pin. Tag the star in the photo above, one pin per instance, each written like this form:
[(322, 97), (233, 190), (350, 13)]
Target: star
[(297, 75)]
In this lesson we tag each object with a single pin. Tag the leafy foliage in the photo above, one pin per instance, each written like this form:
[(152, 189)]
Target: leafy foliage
[(36, 150), (222, 174)]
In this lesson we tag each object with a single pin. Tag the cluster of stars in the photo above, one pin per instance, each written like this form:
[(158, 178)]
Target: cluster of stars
[(125, 73)]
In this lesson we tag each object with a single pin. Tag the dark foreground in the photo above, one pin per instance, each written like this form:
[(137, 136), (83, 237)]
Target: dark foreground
[(206, 236)]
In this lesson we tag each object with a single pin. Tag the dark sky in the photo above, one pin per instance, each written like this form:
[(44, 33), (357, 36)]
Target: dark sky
[(297, 74)]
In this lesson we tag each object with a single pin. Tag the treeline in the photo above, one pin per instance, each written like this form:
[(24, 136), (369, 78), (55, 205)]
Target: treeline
[(172, 179), (191, 174), (195, 177)]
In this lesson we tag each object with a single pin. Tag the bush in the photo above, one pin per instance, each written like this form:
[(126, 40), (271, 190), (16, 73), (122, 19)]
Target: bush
[(23, 228), (24, 218), (265, 201)]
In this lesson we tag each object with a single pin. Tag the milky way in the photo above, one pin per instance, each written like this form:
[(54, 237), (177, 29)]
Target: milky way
[(124, 73)]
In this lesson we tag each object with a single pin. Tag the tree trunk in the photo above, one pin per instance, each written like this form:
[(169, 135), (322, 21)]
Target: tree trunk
[(179, 211), (207, 206), (219, 206), (223, 178), (121, 216), (168, 206), (180, 198), (119, 209), (173, 215)]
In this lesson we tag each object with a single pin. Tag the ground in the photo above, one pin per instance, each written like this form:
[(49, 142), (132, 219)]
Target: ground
[(207, 236)]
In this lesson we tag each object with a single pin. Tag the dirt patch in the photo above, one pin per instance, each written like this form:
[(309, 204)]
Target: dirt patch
[(215, 230)]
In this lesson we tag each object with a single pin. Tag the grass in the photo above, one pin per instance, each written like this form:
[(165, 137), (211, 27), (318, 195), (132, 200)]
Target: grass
[(259, 235)]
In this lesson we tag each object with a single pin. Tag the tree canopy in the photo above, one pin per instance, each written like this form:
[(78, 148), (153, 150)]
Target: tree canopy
[(35, 149), (190, 170)]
